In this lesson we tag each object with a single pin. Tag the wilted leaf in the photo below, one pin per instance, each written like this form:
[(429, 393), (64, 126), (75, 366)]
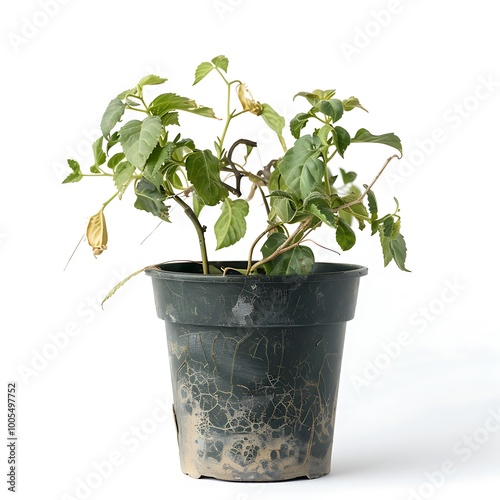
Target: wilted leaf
[(97, 233)]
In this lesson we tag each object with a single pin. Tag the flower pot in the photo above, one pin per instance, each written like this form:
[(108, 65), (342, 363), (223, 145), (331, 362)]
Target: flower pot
[(255, 365)]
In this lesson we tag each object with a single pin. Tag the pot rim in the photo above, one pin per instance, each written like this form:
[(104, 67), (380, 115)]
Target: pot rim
[(179, 270)]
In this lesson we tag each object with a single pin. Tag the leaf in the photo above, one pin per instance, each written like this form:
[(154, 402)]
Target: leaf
[(345, 235), (351, 103), (332, 108), (372, 202), (231, 226), (386, 248), (362, 135), (151, 80), (112, 116), (115, 160), (158, 157), (347, 177), (97, 233), (150, 199), (119, 285), (398, 251), (198, 204), (301, 168), (298, 123), (274, 121), (323, 212), (113, 140), (298, 260), (341, 139), (311, 97), (168, 102), (122, 175), (202, 71), (138, 139), (99, 155), (221, 62), (76, 174), (170, 118), (388, 226), (203, 172)]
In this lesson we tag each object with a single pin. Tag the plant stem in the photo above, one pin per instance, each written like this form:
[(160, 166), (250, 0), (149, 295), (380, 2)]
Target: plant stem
[(360, 199), (200, 230)]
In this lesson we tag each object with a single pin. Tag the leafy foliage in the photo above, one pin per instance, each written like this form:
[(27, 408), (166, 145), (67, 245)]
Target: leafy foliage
[(141, 148)]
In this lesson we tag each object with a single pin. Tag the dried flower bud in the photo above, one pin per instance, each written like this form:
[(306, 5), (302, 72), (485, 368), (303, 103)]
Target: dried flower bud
[(97, 233), (247, 100)]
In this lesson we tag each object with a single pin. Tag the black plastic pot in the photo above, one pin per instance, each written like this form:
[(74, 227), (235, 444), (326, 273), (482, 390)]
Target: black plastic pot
[(255, 364)]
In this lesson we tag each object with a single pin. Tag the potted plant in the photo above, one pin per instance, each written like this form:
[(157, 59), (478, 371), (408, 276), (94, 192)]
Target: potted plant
[(255, 344)]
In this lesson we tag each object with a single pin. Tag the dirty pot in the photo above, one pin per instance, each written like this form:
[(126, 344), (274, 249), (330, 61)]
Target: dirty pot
[(255, 365)]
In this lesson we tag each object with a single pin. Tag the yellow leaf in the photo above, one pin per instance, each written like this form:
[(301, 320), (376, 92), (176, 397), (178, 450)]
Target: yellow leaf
[(97, 233), (247, 100)]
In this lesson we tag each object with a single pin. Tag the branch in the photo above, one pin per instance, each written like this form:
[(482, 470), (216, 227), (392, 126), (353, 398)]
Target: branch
[(360, 199)]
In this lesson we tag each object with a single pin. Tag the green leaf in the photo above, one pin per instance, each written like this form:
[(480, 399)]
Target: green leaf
[(323, 212), (99, 155), (151, 199), (398, 251), (76, 174), (298, 260), (165, 103), (372, 203), (362, 135), (158, 157), (221, 62), (151, 80), (203, 111), (274, 121), (332, 108), (345, 235), (138, 139), (112, 141), (388, 226), (112, 116), (198, 204), (115, 159), (203, 172), (341, 139), (301, 168), (202, 71), (170, 118), (231, 225), (298, 123), (351, 103), (347, 177), (284, 205), (311, 97), (386, 248), (122, 175)]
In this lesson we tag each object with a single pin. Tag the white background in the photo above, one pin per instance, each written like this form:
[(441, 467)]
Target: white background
[(421, 72)]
